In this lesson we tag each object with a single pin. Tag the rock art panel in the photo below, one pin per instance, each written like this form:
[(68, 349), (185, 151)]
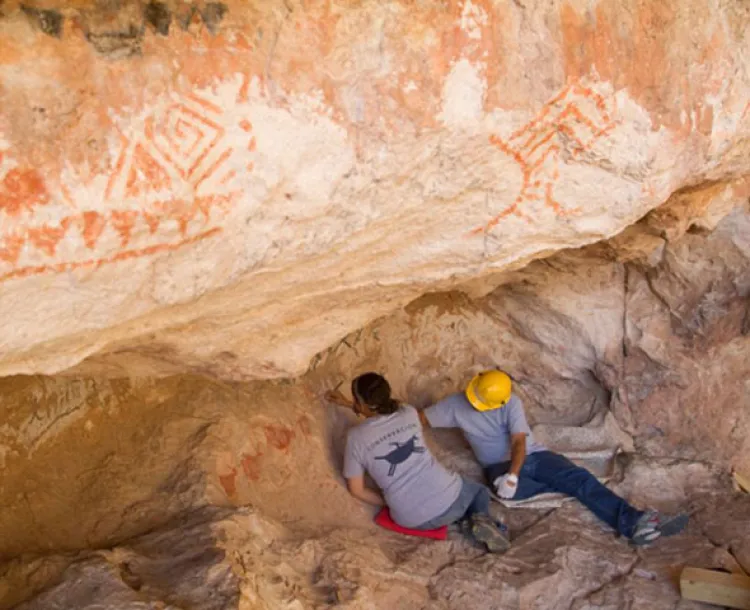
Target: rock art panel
[(258, 164), (172, 184), (572, 121)]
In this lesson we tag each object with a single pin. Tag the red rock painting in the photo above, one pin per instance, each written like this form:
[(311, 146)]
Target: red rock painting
[(229, 482), (22, 190), (279, 437), (573, 120), (269, 449), (171, 184)]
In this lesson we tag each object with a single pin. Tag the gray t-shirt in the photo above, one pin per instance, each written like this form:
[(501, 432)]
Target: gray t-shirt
[(392, 449), (488, 432)]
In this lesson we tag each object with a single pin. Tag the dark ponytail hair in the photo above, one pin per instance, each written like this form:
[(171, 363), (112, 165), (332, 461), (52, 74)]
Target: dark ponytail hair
[(374, 391)]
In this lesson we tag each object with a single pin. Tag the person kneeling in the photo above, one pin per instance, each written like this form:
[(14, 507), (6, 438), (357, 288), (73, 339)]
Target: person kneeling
[(419, 492)]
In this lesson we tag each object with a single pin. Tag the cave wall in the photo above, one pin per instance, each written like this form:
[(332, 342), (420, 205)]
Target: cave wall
[(640, 343), (229, 188), (649, 330), (88, 463), (212, 212)]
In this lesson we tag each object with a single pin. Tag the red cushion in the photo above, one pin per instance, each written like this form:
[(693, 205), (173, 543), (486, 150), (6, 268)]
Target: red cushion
[(383, 519)]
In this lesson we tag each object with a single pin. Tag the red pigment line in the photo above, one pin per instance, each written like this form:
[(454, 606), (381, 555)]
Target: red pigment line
[(537, 164), (197, 142), (551, 201), (561, 95), (174, 143), (507, 150), (207, 174), (571, 134), (46, 238), (205, 153), (123, 223), (598, 100), (168, 158), (523, 216), (118, 167), (68, 196), (11, 246), (542, 142), (575, 111), (228, 177), (492, 223), (599, 134), (531, 124), (205, 103), (96, 263), (197, 115), (244, 93)]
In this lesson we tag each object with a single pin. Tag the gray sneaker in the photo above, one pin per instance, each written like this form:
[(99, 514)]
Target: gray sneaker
[(485, 530), (653, 525)]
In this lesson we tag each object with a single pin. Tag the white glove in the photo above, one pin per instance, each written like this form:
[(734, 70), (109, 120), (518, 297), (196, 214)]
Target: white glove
[(506, 486)]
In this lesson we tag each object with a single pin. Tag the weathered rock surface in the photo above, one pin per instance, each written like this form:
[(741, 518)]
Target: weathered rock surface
[(199, 200), (655, 348), (583, 333), (239, 559), (231, 188)]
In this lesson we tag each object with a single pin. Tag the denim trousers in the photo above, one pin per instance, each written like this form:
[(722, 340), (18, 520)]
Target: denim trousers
[(546, 471), (473, 498)]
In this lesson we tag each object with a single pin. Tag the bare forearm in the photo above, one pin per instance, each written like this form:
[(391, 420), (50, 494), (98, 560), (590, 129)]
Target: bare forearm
[(423, 418), (338, 398), (370, 496), (517, 455)]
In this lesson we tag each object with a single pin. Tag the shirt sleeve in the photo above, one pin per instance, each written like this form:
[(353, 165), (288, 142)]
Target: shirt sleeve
[(353, 466), (517, 423), (442, 414), (411, 412)]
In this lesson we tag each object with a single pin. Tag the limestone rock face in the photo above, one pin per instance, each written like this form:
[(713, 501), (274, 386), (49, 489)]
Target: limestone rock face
[(212, 213), (231, 188)]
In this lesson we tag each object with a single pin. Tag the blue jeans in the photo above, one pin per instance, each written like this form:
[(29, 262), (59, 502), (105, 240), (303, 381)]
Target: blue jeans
[(473, 498), (546, 471)]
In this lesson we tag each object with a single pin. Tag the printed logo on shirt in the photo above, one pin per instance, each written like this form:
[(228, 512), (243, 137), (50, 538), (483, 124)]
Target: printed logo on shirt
[(396, 432), (400, 454)]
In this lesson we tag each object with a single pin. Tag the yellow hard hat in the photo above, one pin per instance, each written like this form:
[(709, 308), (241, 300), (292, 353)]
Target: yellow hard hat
[(489, 390)]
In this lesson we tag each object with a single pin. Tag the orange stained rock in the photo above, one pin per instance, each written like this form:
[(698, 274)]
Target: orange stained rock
[(228, 482), (93, 225), (632, 46), (7, 253), (123, 222), (251, 466), (22, 189), (279, 437), (46, 238)]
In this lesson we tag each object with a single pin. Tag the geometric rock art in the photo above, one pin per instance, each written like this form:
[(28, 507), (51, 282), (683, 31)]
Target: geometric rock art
[(171, 183)]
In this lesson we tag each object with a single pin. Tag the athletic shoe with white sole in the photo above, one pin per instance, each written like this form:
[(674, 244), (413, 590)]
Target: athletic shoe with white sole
[(485, 530), (653, 525)]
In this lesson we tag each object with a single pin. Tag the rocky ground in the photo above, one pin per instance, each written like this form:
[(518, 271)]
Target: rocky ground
[(239, 559)]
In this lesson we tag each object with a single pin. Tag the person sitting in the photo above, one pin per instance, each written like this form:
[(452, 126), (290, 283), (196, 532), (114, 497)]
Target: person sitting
[(493, 421), (419, 492)]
